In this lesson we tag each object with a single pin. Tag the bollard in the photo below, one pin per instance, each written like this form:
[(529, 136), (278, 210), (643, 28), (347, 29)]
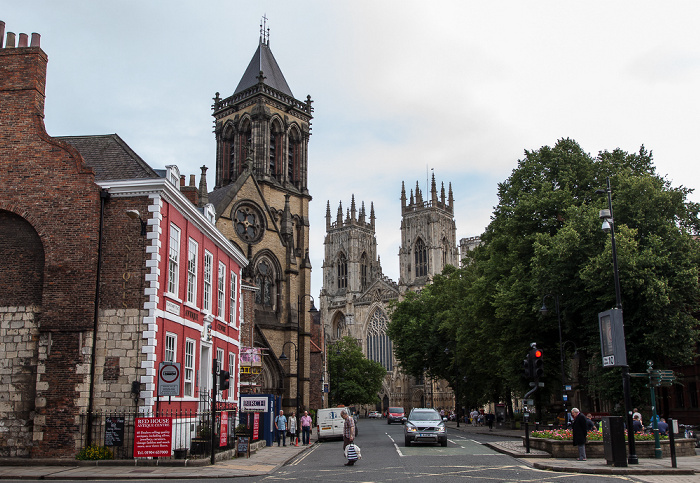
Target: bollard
[(527, 438), (672, 443)]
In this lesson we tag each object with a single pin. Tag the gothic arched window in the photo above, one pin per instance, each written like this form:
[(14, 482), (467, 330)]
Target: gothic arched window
[(240, 152), (379, 346), (342, 272), (266, 281), (275, 151), (445, 252), (420, 253), (294, 157), (364, 269)]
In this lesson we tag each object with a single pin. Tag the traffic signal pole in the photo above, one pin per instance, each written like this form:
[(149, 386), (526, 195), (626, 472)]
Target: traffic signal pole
[(214, 374)]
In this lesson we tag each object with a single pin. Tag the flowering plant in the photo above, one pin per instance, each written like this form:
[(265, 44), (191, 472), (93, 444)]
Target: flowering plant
[(595, 435), (94, 452)]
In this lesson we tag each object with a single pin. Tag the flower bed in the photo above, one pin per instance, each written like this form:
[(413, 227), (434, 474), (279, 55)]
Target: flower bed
[(559, 444)]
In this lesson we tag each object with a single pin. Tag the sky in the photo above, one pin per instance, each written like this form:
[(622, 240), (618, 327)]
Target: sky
[(401, 89)]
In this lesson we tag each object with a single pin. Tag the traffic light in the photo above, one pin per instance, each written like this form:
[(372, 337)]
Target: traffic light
[(527, 368), (537, 363), (223, 380)]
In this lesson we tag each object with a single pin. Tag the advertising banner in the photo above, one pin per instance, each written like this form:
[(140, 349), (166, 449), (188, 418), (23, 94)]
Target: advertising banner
[(256, 426), (223, 431), (152, 437)]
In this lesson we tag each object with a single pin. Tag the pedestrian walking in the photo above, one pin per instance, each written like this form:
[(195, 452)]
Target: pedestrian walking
[(293, 440), (579, 428), (305, 428), (281, 428), (348, 434)]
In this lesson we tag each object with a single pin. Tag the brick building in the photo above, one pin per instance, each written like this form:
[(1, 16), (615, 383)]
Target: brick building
[(108, 269)]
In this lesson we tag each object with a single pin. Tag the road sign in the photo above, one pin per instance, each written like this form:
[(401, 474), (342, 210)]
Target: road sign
[(612, 338), (169, 379)]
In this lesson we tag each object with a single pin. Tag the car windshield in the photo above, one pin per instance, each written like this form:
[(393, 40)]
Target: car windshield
[(395, 410), (425, 416)]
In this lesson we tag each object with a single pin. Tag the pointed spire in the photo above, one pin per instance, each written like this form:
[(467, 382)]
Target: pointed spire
[(328, 215), (263, 66), (433, 191), (339, 216), (347, 217), (410, 203), (203, 190), (442, 193), (353, 210), (362, 214), (450, 198), (371, 214), (403, 196)]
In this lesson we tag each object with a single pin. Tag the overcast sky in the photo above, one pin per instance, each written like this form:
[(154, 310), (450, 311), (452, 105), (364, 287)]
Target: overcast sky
[(399, 87)]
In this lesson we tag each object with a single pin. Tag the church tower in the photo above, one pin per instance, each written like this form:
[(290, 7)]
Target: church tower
[(262, 200), (428, 235)]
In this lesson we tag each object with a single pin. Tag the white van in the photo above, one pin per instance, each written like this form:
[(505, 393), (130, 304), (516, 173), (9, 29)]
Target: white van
[(329, 423)]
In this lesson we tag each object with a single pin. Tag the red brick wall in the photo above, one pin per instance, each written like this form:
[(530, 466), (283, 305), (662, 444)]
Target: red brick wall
[(47, 184), (22, 262)]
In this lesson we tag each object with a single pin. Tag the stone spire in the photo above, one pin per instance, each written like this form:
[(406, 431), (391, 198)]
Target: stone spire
[(328, 215), (403, 196), (362, 214), (371, 215), (433, 191), (353, 210), (442, 193), (339, 216), (450, 198)]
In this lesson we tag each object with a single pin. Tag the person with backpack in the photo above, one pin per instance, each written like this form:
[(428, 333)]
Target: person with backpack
[(281, 428)]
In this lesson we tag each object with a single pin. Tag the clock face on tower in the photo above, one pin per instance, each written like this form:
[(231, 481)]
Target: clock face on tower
[(248, 222)]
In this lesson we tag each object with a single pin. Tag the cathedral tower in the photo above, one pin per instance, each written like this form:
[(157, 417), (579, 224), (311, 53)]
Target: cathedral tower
[(262, 205), (428, 235)]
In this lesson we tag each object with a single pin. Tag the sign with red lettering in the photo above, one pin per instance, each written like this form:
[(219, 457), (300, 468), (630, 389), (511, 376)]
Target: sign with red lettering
[(256, 425), (223, 432), (152, 437)]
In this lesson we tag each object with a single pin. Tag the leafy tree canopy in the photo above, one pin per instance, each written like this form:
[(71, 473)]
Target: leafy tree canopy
[(354, 378)]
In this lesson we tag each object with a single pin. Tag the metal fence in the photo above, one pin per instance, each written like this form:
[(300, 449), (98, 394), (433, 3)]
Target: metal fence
[(190, 435)]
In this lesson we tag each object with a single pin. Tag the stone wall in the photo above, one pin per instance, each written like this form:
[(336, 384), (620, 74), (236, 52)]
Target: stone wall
[(18, 346)]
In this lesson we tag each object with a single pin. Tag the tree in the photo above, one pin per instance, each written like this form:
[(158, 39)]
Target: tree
[(354, 378), (545, 237)]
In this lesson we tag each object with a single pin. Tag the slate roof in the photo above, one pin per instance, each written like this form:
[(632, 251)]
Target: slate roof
[(264, 61), (110, 157)]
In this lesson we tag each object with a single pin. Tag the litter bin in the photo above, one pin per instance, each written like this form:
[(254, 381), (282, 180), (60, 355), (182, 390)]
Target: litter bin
[(614, 440)]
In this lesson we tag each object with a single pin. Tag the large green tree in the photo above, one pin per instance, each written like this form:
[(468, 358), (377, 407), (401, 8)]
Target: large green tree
[(354, 378), (545, 238)]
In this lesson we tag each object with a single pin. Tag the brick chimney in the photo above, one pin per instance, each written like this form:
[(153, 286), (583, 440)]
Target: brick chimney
[(191, 191), (22, 82)]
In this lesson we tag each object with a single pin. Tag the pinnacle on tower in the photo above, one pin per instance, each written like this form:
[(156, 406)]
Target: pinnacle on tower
[(442, 193), (328, 215), (353, 210), (411, 200), (403, 197), (203, 191), (362, 213), (450, 199), (339, 216), (371, 214), (433, 191)]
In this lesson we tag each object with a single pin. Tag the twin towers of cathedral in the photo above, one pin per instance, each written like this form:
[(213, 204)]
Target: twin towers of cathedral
[(428, 243)]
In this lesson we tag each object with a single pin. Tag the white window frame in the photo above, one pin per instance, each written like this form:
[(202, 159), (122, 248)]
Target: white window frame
[(170, 352), (232, 372), (220, 363), (174, 259), (192, 252), (207, 285), (221, 291), (233, 296), (190, 350)]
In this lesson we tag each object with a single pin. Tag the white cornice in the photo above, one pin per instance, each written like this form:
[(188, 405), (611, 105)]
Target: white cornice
[(164, 188)]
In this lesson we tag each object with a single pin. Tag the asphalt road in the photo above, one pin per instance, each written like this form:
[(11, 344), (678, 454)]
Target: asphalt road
[(386, 459)]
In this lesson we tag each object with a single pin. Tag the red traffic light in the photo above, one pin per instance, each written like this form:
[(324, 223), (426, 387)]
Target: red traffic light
[(538, 353)]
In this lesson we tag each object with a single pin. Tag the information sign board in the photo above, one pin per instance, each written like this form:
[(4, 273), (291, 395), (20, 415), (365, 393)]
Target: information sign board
[(169, 379), (114, 431), (612, 338), (152, 437)]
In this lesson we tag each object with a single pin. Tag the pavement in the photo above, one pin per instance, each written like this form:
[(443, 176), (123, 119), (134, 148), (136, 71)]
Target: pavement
[(686, 465), (270, 458)]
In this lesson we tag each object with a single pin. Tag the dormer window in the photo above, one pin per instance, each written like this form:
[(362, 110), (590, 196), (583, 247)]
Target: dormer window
[(210, 213), (172, 174)]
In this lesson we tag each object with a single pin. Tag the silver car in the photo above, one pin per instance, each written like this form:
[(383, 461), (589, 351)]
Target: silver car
[(424, 425)]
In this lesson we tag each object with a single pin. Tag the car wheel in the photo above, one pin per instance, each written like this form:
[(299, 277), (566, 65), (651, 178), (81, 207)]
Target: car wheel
[(443, 443), (407, 441)]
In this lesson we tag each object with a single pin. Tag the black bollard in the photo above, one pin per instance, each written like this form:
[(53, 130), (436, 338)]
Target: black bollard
[(527, 438), (672, 443)]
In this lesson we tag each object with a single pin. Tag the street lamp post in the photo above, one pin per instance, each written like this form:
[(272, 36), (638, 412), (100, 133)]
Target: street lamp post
[(312, 310), (283, 357), (544, 311), (609, 225)]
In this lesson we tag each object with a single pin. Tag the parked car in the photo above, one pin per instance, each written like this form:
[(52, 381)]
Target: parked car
[(374, 415), (395, 415), (425, 425)]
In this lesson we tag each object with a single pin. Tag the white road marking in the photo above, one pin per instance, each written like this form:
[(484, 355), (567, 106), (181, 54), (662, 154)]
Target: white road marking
[(306, 453), (395, 445)]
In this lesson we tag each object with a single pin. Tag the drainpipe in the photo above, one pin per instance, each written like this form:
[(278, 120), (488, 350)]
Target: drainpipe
[(104, 196)]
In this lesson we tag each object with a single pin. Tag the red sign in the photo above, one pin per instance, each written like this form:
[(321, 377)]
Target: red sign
[(153, 437), (223, 431), (256, 425)]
